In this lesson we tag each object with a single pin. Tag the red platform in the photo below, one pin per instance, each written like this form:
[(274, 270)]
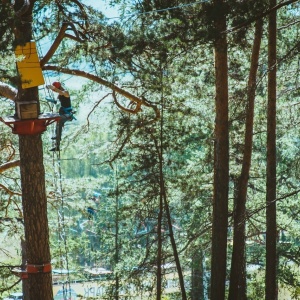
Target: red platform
[(30, 126)]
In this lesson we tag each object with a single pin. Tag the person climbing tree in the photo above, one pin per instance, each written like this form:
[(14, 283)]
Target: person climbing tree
[(65, 110)]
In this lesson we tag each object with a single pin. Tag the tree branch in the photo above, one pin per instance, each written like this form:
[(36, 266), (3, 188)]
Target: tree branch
[(55, 44), (257, 210), (8, 91), (10, 287), (128, 110), (9, 165), (264, 14), (61, 35), (8, 191), (79, 36), (115, 88)]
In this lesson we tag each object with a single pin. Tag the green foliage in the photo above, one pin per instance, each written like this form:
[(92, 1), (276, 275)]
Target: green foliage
[(6, 27), (163, 52)]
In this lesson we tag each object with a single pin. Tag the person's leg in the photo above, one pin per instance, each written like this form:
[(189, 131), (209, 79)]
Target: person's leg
[(59, 127)]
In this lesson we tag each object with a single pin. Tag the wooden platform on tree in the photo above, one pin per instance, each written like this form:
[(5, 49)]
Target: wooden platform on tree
[(30, 126)]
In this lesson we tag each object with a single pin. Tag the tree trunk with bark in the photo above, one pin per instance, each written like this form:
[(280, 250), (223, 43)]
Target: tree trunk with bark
[(25, 287), (271, 228), (197, 280), (173, 242), (34, 201), (165, 206), (35, 215), (221, 159), (237, 289), (159, 251)]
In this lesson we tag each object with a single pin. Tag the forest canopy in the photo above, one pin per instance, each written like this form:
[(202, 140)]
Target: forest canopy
[(178, 176)]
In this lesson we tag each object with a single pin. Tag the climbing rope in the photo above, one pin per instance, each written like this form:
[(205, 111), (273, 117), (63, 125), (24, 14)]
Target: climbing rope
[(61, 224)]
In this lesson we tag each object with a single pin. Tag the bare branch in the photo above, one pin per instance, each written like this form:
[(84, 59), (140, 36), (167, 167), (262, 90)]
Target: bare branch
[(94, 107), (10, 287), (74, 38), (115, 88), (94, 78), (124, 142), (8, 191), (61, 35), (257, 210), (128, 110), (55, 44), (9, 165), (80, 5), (79, 36), (9, 149), (288, 25), (8, 91)]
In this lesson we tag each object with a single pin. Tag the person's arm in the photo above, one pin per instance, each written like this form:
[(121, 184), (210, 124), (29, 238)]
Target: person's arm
[(54, 89)]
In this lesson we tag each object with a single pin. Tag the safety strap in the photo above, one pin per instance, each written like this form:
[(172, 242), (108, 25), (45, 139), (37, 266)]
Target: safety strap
[(32, 269), (43, 268), (66, 110)]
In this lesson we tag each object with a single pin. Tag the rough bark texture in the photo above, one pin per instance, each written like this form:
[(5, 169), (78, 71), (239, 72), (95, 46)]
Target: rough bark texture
[(237, 289), (39, 285), (197, 280), (173, 242), (221, 160), (271, 234), (25, 285), (35, 214), (159, 251)]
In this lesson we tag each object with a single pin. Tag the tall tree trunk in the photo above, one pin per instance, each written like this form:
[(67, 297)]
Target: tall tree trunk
[(159, 251), (35, 215), (197, 280), (34, 199), (117, 224), (168, 214), (173, 242), (221, 159), (25, 287), (271, 230), (237, 289), (163, 193)]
